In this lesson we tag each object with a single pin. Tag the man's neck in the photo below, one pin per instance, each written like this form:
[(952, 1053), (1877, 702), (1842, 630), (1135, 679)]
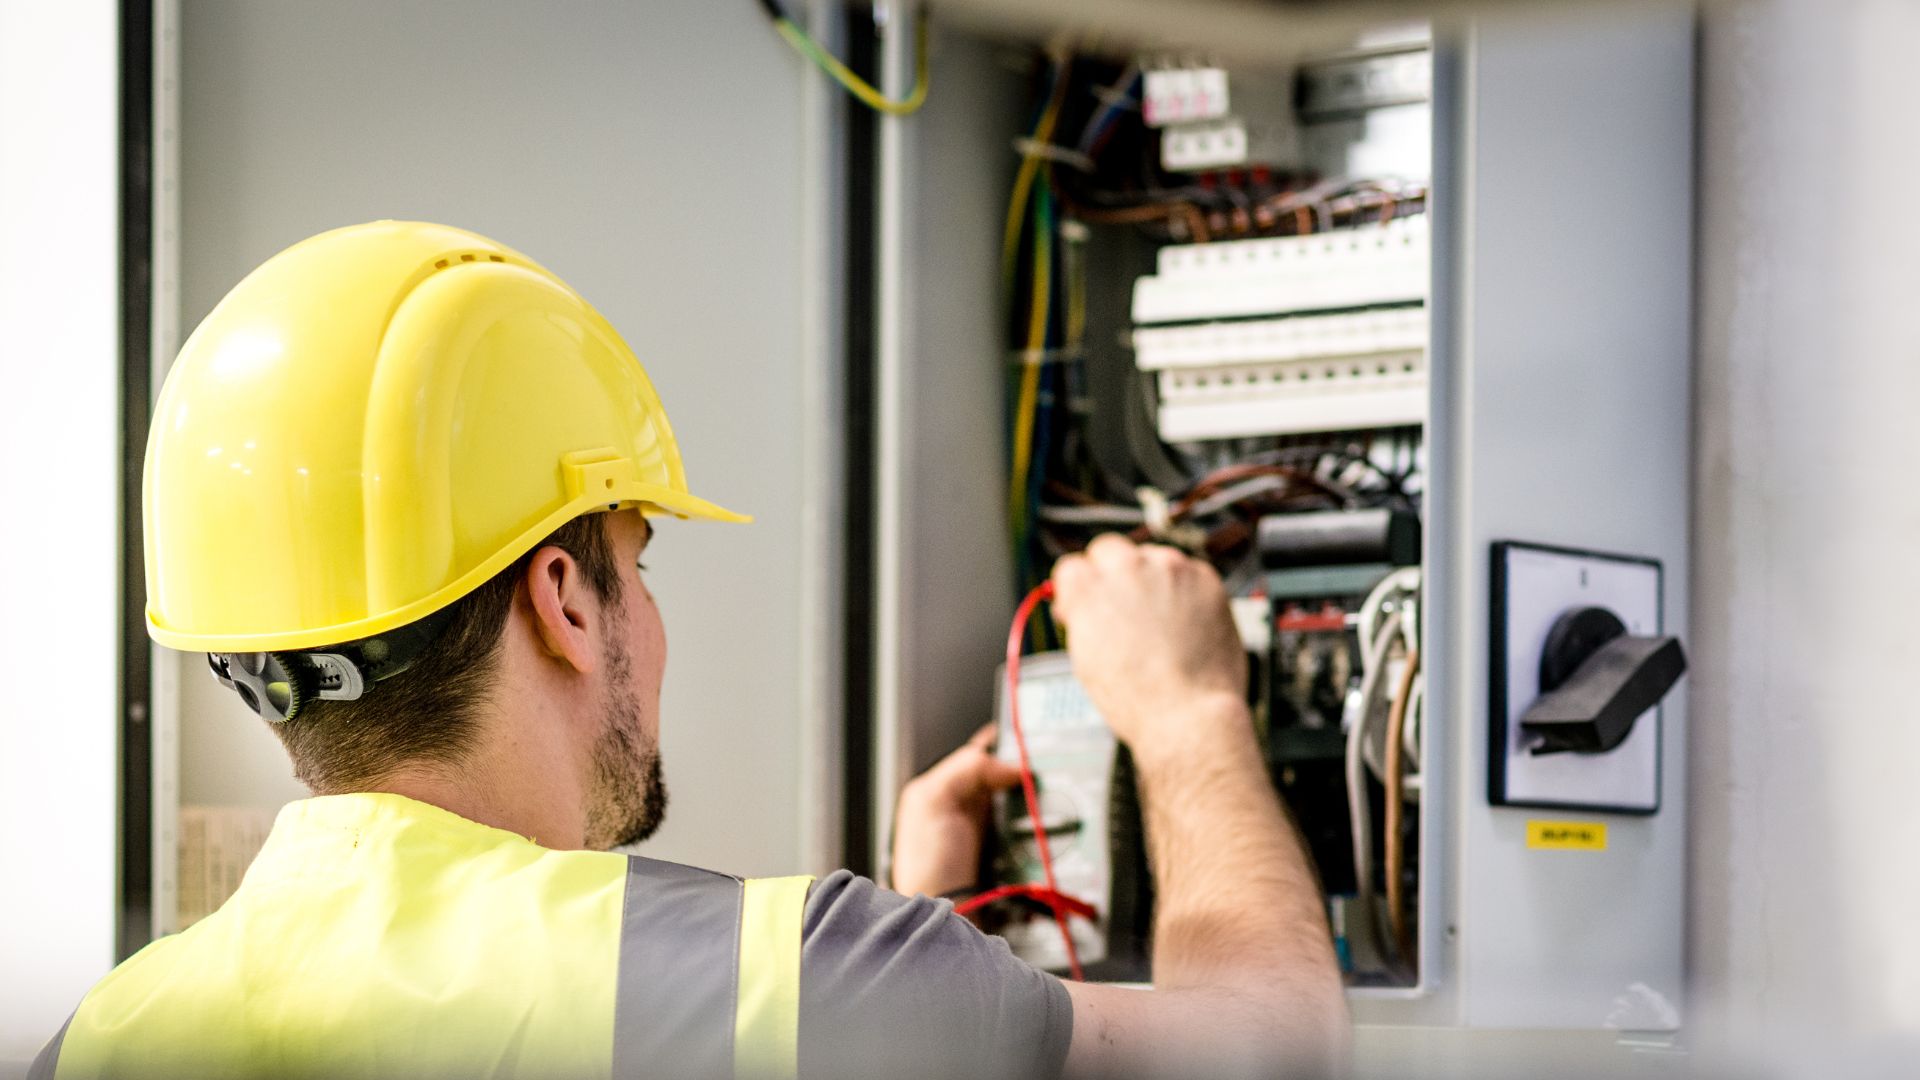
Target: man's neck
[(508, 788)]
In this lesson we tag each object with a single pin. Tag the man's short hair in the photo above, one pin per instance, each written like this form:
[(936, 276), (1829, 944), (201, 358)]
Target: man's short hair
[(427, 713)]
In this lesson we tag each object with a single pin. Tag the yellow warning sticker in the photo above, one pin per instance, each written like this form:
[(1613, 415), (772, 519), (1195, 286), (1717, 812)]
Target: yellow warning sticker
[(1567, 835)]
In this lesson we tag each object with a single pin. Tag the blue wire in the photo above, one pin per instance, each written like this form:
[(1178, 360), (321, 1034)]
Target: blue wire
[(1107, 114), (1023, 561), (1047, 401)]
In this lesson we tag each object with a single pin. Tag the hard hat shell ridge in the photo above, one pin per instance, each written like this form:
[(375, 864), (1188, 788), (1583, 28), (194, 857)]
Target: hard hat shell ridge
[(376, 421)]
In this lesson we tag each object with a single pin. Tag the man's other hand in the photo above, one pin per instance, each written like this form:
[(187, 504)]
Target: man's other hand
[(941, 818)]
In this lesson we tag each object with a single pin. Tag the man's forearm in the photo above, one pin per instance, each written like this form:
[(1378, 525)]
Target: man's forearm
[(1237, 904), (1243, 969)]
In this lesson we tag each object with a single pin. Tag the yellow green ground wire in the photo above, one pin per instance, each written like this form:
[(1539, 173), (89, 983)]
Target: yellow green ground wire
[(1023, 180), (1027, 400), (1034, 356), (860, 88)]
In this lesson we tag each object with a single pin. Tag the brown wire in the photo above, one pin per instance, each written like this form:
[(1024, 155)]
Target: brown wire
[(1124, 215), (1203, 226), (1396, 797), (1071, 494), (1142, 214), (1226, 536), (1196, 224), (1220, 478)]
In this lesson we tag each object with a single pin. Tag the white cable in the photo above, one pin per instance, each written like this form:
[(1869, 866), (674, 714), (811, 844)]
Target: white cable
[(1377, 629), (1064, 155), (1227, 496), (1111, 514), (1399, 589), (1416, 694), (1404, 580), (1155, 508), (1092, 515), (1413, 736), (1358, 809), (1161, 525)]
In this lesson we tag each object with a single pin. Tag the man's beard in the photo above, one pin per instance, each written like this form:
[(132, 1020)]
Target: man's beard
[(629, 797)]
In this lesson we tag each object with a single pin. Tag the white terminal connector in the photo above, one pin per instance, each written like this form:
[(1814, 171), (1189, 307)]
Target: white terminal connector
[(1294, 397), (1288, 335), (1253, 617), (1183, 95), (1346, 268), (1215, 144), (1297, 337)]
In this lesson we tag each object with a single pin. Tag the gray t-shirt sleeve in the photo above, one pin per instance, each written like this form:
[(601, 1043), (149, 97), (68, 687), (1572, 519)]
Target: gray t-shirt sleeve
[(893, 986)]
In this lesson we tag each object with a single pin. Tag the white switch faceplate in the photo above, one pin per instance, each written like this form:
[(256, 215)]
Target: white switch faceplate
[(1533, 587)]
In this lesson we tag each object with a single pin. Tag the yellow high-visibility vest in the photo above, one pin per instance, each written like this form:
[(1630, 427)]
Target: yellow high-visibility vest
[(376, 935)]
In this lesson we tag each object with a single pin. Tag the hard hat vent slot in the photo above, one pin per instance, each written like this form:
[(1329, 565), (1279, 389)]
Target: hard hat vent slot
[(468, 257)]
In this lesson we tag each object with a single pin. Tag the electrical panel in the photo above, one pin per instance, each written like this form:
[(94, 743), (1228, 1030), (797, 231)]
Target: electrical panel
[(1341, 339), (1277, 334)]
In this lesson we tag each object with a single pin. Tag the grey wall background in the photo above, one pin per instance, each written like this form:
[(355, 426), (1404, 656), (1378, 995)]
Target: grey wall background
[(650, 154), (60, 362), (1805, 726)]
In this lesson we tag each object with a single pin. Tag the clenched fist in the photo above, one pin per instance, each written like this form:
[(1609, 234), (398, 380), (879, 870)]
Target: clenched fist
[(1151, 640)]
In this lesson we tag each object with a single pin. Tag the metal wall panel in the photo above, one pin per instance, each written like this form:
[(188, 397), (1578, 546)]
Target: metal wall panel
[(944, 588), (1568, 422)]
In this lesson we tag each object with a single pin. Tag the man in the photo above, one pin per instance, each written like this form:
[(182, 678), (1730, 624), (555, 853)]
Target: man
[(398, 490)]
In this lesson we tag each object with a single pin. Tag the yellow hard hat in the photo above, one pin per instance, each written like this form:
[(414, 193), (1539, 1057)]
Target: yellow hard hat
[(375, 422)]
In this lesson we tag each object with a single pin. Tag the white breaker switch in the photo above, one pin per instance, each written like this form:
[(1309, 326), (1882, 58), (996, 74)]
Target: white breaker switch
[(1182, 95), (1215, 144), (1289, 334)]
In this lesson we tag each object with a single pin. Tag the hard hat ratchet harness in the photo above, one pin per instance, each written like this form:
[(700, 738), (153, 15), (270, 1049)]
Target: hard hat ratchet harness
[(277, 685)]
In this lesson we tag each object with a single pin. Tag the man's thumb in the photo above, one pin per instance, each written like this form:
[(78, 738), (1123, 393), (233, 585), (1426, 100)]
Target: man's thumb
[(999, 775)]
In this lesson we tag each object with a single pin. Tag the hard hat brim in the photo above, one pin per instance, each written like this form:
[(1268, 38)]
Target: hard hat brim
[(650, 499), (682, 505)]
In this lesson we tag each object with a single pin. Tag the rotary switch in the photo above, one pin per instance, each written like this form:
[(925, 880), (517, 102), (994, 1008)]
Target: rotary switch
[(1595, 681)]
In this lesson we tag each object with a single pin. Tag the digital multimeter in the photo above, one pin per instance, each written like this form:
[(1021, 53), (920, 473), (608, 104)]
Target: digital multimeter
[(1072, 753)]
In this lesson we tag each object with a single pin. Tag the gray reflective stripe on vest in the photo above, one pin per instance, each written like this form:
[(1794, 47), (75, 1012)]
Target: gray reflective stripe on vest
[(48, 1062), (679, 947)]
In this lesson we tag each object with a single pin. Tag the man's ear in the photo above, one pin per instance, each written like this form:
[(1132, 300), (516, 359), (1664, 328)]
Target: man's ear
[(562, 605)]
